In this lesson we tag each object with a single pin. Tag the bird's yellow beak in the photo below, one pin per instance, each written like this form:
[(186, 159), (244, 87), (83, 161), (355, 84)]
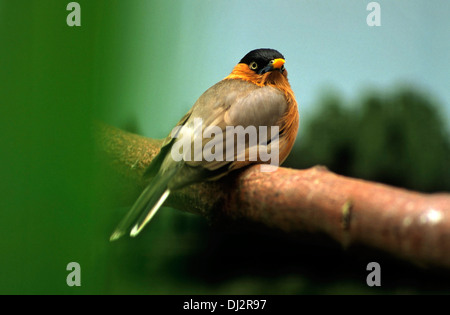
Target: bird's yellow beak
[(278, 63)]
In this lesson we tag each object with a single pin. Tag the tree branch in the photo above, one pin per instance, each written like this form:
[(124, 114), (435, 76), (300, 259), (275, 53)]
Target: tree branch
[(410, 225)]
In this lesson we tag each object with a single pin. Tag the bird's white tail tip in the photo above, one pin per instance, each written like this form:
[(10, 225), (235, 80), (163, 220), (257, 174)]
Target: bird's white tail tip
[(138, 227)]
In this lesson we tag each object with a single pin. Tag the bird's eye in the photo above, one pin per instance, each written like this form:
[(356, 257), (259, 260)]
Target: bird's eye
[(253, 66)]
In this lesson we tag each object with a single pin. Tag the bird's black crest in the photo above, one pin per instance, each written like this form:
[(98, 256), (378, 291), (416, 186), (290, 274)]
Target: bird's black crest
[(261, 56)]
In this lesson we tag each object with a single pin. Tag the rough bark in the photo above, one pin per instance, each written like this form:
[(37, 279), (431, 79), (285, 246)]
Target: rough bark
[(410, 225)]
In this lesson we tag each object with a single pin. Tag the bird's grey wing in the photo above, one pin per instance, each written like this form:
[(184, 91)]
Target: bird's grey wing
[(232, 103), (260, 107), (259, 111)]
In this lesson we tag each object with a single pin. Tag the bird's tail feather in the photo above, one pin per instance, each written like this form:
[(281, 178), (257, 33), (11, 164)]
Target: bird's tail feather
[(147, 216), (145, 207)]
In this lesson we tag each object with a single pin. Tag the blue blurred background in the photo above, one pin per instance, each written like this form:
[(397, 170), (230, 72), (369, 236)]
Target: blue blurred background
[(327, 44), (374, 103)]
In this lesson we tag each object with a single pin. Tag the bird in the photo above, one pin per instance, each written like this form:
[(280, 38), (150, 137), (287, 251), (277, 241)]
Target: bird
[(256, 93)]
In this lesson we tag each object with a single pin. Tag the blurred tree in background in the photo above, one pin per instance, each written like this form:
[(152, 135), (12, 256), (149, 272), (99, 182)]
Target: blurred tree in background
[(397, 139)]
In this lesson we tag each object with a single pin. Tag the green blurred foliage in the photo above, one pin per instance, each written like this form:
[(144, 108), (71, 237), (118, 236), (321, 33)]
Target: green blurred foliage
[(48, 185), (397, 138)]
